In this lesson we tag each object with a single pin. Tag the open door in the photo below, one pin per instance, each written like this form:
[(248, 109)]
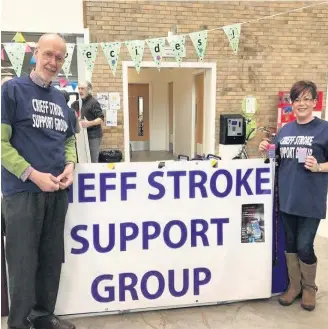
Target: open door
[(199, 113), (139, 116)]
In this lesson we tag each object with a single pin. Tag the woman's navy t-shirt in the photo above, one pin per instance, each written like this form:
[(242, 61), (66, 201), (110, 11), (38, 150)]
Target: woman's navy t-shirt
[(302, 192)]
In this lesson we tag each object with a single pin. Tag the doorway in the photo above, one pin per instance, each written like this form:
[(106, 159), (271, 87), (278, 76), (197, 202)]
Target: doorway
[(139, 116), (199, 114), (173, 126)]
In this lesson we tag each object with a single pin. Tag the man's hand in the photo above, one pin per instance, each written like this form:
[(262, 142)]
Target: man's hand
[(45, 181), (66, 177), (85, 124), (311, 163)]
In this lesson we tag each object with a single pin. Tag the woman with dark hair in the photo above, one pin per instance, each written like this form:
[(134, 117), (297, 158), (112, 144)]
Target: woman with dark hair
[(302, 148)]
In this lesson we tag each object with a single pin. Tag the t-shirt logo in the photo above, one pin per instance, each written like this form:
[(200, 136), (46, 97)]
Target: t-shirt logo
[(48, 115), (296, 147)]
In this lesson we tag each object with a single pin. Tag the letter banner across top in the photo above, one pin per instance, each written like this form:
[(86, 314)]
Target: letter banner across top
[(138, 236)]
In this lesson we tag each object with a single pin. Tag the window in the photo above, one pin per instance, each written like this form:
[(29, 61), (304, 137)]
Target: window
[(140, 116)]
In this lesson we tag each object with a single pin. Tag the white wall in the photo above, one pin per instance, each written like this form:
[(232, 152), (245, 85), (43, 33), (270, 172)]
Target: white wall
[(60, 16), (182, 110), (158, 107)]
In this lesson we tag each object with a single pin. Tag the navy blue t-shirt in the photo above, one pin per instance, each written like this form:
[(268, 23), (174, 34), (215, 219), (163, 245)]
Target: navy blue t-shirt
[(302, 192), (40, 125)]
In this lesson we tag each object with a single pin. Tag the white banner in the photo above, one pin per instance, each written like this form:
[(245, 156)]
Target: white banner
[(138, 236)]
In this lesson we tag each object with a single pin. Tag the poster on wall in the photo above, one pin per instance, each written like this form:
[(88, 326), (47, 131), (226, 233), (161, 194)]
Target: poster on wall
[(114, 101), (111, 118), (139, 237), (102, 98)]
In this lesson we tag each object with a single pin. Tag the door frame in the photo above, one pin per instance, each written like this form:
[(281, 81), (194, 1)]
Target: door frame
[(211, 103), (168, 122), (193, 116)]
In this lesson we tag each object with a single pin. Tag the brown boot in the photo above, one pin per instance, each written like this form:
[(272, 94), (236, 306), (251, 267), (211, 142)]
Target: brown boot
[(308, 284), (294, 287)]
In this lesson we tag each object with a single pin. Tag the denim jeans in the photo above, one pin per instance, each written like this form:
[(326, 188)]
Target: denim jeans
[(300, 233), (94, 146)]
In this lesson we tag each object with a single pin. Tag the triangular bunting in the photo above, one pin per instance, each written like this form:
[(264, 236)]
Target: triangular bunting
[(177, 44), (233, 34), (112, 54), (68, 58), (33, 60), (199, 40), (18, 37), (2, 54), (156, 47), (136, 49), (28, 49), (16, 53), (74, 85), (89, 54), (62, 82)]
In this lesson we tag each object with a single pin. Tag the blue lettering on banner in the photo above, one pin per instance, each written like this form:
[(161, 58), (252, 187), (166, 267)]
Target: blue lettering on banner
[(130, 284), (173, 234), (129, 231), (220, 183)]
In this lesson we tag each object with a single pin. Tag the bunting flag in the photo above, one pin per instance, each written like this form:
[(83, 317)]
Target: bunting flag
[(2, 54), (112, 54), (16, 53), (156, 47), (233, 34), (74, 85), (63, 82), (68, 58), (136, 49), (89, 53), (28, 49), (18, 37), (33, 60), (178, 44), (199, 40)]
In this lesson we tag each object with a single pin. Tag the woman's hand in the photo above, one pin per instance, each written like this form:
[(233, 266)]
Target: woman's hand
[(264, 145), (311, 163)]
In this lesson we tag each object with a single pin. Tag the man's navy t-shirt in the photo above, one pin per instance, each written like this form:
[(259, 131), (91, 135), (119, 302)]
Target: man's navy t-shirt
[(40, 125), (302, 192)]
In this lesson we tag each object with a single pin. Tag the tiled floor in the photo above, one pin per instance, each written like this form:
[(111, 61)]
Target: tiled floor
[(264, 314), (148, 156)]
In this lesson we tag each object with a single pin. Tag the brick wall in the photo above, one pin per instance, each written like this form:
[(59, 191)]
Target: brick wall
[(273, 53)]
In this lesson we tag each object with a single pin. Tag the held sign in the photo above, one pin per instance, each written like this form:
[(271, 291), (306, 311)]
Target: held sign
[(140, 237)]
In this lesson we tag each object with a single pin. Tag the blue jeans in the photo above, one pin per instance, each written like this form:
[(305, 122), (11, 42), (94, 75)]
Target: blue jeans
[(94, 146), (300, 233)]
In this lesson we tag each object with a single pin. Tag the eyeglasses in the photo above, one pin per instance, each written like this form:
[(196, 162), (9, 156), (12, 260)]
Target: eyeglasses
[(49, 55)]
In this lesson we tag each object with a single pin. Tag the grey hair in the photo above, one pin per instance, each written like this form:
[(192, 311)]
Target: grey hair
[(87, 85)]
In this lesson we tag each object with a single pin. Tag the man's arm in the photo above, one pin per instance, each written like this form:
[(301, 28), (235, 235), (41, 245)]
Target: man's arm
[(95, 122), (98, 114), (10, 158), (70, 150)]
